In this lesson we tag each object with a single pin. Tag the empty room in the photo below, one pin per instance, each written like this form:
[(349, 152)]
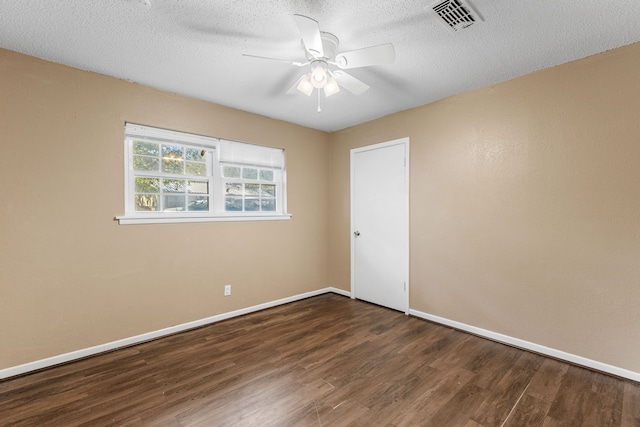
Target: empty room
[(195, 231)]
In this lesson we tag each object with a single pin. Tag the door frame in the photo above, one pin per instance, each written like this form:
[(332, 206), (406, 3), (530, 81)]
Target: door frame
[(400, 141)]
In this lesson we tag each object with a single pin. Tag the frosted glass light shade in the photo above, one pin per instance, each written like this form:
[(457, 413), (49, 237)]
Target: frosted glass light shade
[(305, 85), (319, 74), (331, 88)]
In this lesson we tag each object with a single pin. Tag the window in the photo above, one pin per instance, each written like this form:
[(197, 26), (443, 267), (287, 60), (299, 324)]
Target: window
[(251, 177), (178, 177)]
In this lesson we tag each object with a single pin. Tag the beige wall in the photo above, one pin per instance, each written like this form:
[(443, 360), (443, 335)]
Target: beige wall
[(525, 211), (525, 206), (71, 277)]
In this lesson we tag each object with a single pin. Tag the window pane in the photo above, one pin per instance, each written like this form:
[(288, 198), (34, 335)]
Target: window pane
[(251, 204), (173, 166), (234, 189), (198, 203), (268, 190), (173, 151), (198, 187), (147, 185), (231, 171), (252, 189), (148, 148), (268, 204), (196, 155), (232, 204), (174, 203), (174, 185), (250, 173), (142, 163), (266, 175), (146, 202), (197, 169)]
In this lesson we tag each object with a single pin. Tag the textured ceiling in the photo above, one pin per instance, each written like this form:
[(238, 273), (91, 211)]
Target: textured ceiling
[(195, 47)]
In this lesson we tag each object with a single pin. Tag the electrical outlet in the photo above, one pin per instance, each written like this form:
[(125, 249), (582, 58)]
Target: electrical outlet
[(227, 290)]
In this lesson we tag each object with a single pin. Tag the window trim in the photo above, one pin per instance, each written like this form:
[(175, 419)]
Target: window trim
[(210, 143)]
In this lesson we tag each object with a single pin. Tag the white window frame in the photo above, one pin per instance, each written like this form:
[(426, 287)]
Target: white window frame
[(218, 153)]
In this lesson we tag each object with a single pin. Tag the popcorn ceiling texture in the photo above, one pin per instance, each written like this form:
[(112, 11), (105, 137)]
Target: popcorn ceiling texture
[(195, 47)]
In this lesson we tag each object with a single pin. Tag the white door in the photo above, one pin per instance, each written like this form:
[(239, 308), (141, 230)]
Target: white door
[(380, 224)]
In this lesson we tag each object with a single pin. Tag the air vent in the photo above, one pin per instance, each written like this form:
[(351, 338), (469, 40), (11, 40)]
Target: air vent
[(456, 14)]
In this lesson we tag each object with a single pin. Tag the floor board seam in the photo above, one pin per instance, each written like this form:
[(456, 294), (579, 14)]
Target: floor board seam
[(515, 404)]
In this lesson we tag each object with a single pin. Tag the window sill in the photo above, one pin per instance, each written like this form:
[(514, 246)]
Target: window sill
[(179, 218)]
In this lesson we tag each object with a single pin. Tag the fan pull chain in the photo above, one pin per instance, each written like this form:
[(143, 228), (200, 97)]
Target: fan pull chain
[(319, 109)]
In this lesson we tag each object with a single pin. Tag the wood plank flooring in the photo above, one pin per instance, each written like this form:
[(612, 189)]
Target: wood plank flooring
[(323, 361)]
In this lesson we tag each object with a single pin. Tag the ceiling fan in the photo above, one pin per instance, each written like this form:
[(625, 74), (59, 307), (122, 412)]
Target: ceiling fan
[(321, 55)]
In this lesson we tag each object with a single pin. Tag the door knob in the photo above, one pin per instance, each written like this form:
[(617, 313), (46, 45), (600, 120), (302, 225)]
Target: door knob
[(356, 233)]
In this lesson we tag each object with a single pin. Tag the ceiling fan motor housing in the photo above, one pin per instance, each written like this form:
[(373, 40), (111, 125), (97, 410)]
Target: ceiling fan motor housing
[(329, 45)]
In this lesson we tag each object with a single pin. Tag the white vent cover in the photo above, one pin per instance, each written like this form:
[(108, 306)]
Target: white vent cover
[(456, 14)]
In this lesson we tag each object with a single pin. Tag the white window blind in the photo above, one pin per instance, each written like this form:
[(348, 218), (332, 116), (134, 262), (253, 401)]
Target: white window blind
[(152, 134), (251, 154)]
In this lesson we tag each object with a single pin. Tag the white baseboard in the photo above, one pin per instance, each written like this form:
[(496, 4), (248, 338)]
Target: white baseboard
[(515, 342), (340, 292), (526, 345), (79, 354)]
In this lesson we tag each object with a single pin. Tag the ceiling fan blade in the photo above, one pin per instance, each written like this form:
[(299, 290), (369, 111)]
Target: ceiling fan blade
[(374, 55), (310, 33), (350, 83), (288, 61)]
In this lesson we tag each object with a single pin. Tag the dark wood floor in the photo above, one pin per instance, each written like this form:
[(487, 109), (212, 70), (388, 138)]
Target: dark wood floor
[(323, 361)]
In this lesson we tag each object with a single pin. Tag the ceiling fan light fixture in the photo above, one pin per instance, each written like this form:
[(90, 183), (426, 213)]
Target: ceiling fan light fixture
[(331, 88), (305, 85), (319, 74), (321, 51)]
